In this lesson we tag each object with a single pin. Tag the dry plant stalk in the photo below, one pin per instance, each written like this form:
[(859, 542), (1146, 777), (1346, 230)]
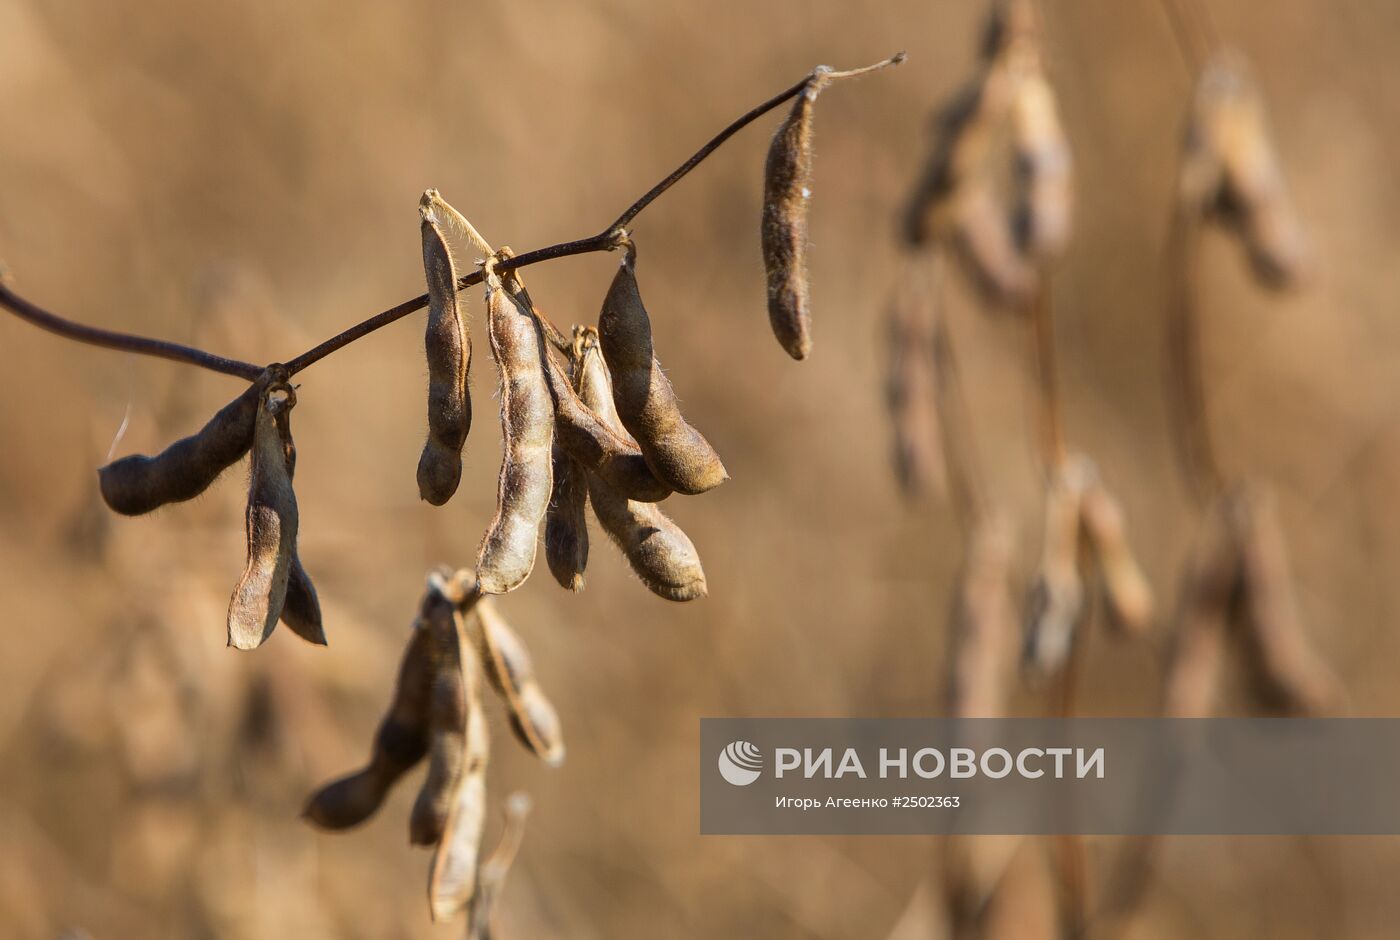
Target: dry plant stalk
[(448, 347), (645, 402), (656, 548), (527, 427), (261, 592)]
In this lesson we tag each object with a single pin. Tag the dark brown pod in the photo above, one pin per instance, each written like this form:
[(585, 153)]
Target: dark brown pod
[(301, 611), (400, 742), (787, 189), (448, 347), (646, 404), (656, 548), (261, 593), (447, 720), (138, 484), (911, 392), (566, 523)]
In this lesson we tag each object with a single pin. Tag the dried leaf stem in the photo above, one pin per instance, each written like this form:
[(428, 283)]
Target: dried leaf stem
[(603, 241)]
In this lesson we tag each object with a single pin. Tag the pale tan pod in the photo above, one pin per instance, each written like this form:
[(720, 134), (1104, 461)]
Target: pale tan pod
[(1128, 595), (400, 742), (271, 517), (1210, 588), (1288, 673), (453, 877), (527, 426), (494, 870), (1043, 161), (787, 188), (645, 402), (1055, 608), (911, 392), (448, 347), (512, 673), (138, 484), (656, 548), (986, 241), (1229, 125), (448, 717)]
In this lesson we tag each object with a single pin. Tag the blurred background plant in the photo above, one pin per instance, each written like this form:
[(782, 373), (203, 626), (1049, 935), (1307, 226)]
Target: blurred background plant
[(240, 178)]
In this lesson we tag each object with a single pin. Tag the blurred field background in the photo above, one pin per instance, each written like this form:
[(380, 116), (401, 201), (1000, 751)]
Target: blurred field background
[(244, 176)]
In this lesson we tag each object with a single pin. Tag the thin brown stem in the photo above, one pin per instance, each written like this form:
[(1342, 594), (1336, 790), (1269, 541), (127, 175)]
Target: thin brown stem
[(605, 240), (124, 342), (1052, 435)]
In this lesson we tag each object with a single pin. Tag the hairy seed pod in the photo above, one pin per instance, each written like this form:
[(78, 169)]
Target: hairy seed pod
[(597, 447), (787, 188), (1231, 171), (983, 624), (646, 403), (1210, 589), (527, 427), (566, 522), (512, 673), (656, 548), (1125, 587), (495, 869), (400, 742), (911, 392), (261, 593), (138, 484), (1056, 605), (447, 719), (453, 876), (449, 352), (1288, 673), (1043, 163)]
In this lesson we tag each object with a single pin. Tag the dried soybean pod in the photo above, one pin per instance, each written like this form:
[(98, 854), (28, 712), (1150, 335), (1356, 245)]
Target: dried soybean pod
[(596, 446), (138, 484), (646, 403), (1288, 673), (1126, 590), (986, 242), (566, 523), (494, 870), (449, 353), (301, 611), (258, 599), (527, 427), (1210, 588), (1056, 604), (787, 187), (1044, 164), (447, 719), (512, 673), (452, 879), (656, 548), (400, 742)]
